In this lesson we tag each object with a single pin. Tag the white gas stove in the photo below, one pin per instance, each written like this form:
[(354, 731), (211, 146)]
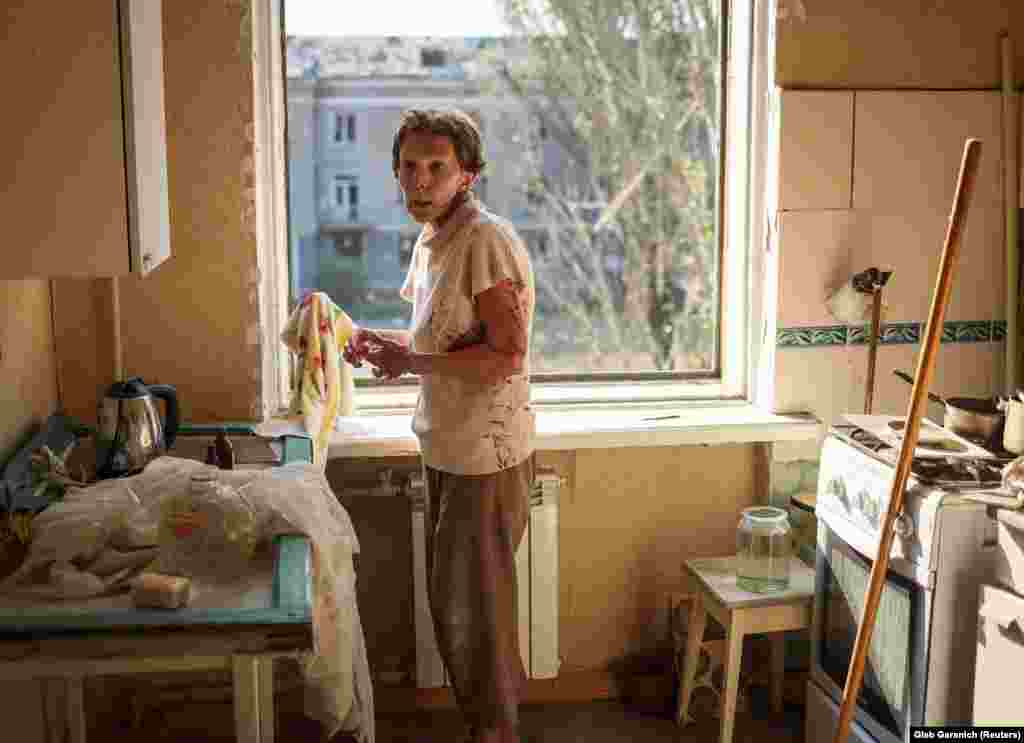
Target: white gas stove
[(921, 661)]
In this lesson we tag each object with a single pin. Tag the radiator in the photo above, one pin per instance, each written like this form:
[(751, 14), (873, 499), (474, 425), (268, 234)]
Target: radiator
[(537, 574)]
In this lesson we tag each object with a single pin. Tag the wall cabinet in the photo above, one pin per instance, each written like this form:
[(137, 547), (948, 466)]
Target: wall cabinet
[(83, 152)]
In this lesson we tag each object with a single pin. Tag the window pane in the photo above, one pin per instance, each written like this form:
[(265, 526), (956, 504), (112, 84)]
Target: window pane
[(602, 127)]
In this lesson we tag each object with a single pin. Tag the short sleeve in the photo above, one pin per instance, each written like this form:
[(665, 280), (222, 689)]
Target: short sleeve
[(408, 290), (497, 254)]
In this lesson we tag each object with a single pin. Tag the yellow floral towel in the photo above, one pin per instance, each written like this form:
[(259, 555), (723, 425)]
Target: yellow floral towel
[(317, 332)]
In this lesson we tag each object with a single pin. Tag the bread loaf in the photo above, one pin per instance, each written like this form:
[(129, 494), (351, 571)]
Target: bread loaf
[(158, 591)]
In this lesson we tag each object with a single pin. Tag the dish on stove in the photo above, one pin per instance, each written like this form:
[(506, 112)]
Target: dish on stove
[(941, 444), (931, 437), (898, 424)]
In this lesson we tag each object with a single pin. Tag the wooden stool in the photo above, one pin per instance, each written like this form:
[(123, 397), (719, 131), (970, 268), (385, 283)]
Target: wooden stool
[(740, 613)]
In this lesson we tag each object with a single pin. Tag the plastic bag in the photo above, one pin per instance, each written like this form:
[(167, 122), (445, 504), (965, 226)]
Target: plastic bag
[(75, 529), (208, 531)]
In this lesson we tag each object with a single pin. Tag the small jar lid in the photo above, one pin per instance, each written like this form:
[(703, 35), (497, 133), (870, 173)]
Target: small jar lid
[(766, 516)]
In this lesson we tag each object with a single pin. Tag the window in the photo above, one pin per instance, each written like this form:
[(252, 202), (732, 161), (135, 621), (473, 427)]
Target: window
[(348, 245), (640, 234), (344, 127), (346, 196), (405, 246), (433, 57)]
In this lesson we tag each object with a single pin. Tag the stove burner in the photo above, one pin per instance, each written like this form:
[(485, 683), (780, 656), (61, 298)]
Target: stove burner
[(953, 472), (958, 470), (868, 440)]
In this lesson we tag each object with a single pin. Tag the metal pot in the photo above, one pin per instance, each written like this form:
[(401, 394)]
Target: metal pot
[(977, 418)]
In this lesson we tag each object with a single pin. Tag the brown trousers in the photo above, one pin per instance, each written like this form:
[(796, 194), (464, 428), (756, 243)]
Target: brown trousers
[(476, 524)]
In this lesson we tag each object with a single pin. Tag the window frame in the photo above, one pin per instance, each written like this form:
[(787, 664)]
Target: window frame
[(748, 283)]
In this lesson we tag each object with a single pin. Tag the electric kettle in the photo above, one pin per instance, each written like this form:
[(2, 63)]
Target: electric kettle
[(131, 431)]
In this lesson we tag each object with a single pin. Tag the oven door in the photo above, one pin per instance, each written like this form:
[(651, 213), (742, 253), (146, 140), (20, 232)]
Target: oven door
[(892, 693)]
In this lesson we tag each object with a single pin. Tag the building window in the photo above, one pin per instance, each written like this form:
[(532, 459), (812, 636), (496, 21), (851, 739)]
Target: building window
[(346, 196), (344, 127), (433, 57), (348, 245), (643, 278), (405, 246)]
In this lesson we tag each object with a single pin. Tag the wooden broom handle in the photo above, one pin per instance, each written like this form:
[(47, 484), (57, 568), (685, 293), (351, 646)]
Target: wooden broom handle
[(922, 379)]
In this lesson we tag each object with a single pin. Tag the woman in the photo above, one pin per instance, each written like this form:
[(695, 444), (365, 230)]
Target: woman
[(472, 290)]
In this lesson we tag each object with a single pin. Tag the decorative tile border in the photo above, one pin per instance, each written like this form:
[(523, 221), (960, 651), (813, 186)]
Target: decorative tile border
[(955, 331), (999, 330), (977, 331), (830, 335)]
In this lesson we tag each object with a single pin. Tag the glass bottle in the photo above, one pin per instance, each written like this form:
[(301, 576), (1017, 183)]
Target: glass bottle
[(764, 549), (208, 532)]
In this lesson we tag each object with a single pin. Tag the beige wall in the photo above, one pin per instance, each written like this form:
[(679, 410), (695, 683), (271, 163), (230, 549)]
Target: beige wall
[(28, 379), (896, 43)]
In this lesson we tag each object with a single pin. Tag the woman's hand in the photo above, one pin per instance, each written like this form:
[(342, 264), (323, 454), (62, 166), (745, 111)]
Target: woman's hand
[(355, 349), (391, 359), (359, 344)]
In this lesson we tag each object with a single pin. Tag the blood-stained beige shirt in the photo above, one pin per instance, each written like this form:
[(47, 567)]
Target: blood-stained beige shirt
[(465, 427)]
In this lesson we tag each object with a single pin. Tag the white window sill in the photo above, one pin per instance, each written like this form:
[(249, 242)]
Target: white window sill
[(390, 434)]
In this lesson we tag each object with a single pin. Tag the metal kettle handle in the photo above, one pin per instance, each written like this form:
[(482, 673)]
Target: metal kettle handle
[(169, 395)]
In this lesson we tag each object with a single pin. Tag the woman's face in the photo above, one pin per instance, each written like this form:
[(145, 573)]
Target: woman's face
[(430, 176)]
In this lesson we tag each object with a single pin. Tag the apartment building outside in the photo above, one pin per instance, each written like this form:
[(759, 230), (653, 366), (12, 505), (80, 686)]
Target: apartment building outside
[(349, 232)]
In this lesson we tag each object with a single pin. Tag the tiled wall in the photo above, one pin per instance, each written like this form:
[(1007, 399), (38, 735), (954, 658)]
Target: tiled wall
[(866, 178)]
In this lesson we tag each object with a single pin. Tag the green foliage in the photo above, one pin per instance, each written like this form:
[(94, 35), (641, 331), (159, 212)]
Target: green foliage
[(345, 279), (630, 91)]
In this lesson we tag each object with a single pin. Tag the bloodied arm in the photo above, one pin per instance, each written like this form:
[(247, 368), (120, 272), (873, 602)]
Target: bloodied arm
[(503, 311)]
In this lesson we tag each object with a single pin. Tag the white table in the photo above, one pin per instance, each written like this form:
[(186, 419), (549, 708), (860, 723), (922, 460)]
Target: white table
[(244, 629)]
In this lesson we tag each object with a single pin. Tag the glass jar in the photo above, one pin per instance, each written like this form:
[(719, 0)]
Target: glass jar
[(209, 531), (764, 548)]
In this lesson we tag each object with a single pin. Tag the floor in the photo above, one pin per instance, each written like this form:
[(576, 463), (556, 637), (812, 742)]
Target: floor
[(601, 722), (641, 721)]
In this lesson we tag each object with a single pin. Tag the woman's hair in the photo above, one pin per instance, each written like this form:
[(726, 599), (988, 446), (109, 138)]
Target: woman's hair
[(459, 127)]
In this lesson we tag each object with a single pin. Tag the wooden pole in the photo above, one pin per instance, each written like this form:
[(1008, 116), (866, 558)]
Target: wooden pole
[(876, 324), (1010, 204), (922, 379)]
